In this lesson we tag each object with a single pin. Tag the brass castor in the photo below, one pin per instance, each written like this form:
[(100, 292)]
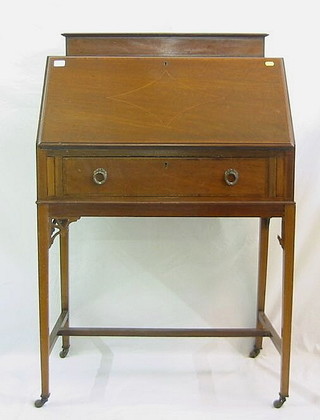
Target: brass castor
[(64, 352), (254, 353), (43, 399), (279, 403)]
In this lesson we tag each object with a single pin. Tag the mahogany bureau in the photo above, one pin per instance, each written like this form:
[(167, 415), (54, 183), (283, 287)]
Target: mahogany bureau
[(165, 125)]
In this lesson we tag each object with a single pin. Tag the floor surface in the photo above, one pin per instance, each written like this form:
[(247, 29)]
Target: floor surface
[(143, 378)]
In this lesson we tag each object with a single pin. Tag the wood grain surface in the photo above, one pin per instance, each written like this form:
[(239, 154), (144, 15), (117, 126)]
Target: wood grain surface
[(215, 101)]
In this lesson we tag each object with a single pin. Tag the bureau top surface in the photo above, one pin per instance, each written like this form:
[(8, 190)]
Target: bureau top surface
[(165, 101)]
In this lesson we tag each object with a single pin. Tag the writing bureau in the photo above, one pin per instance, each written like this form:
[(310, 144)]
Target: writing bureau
[(179, 136)]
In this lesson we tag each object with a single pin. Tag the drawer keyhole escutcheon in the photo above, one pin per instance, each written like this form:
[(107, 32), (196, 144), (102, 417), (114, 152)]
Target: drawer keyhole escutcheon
[(100, 176), (231, 177)]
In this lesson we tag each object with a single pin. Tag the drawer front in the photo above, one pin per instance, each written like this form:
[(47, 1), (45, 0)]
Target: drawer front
[(225, 178)]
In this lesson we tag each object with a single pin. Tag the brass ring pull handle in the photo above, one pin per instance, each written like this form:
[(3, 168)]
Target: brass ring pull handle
[(231, 177), (100, 176)]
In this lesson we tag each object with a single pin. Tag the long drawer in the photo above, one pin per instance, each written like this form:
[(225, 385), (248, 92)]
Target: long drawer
[(226, 178)]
